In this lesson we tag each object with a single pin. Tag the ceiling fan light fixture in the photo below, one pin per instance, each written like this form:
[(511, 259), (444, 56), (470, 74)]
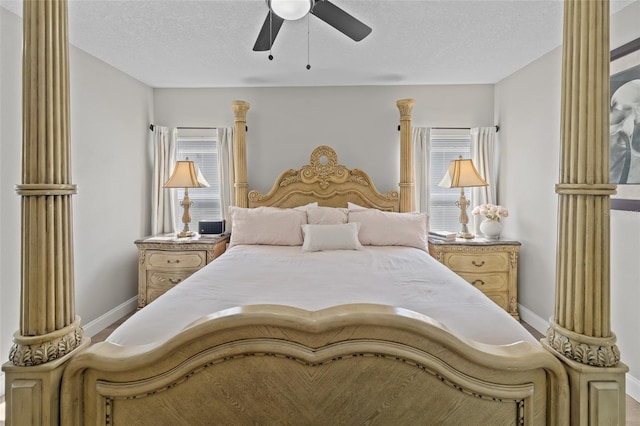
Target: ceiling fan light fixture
[(290, 9)]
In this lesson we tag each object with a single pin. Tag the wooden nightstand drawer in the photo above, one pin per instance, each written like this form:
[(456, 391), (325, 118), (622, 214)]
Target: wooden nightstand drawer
[(477, 262), (489, 265), (161, 259), (158, 282), (166, 261), (167, 279), (487, 282)]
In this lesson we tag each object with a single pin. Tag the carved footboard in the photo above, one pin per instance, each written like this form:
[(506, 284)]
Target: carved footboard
[(352, 364)]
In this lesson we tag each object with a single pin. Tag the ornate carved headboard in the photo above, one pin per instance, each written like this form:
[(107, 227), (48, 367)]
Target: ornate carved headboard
[(326, 181)]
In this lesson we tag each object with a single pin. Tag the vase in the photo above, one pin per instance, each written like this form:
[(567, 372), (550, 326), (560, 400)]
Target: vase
[(491, 229)]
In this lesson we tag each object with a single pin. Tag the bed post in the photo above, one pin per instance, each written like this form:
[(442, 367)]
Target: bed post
[(49, 329), (407, 184), (241, 186), (580, 333)]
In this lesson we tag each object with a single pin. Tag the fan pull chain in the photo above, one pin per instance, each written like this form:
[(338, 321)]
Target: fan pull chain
[(270, 34), (308, 49)]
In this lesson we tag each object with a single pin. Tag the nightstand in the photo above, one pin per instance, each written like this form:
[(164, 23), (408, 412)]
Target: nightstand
[(490, 266), (165, 261)]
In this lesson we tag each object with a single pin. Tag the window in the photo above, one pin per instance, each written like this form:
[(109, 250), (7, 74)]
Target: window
[(201, 146), (444, 215)]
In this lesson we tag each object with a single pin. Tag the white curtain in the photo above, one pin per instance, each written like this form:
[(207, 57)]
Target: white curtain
[(486, 157), (421, 137), (163, 206), (226, 170)]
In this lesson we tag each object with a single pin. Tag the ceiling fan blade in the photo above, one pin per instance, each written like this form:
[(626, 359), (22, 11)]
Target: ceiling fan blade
[(268, 33), (340, 20)]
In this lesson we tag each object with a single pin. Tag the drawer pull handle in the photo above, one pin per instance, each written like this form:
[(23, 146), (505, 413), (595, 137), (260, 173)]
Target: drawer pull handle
[(173, 261), (481, 263), (476, 282), (175, 280)]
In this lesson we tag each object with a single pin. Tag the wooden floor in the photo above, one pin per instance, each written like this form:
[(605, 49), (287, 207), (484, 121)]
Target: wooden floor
[(102, 336), (633, 406)]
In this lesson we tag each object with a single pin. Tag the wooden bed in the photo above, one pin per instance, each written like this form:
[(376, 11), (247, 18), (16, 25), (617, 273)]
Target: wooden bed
[(350, 364)]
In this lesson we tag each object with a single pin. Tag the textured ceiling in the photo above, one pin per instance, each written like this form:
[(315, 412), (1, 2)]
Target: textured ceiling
[(208, 43)]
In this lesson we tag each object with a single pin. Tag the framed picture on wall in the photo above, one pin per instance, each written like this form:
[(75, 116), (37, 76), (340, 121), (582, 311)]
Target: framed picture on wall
[(625, 126)]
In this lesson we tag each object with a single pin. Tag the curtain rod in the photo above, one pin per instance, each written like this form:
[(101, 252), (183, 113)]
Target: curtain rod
[(457, 128), (152, 126), (196, 128)]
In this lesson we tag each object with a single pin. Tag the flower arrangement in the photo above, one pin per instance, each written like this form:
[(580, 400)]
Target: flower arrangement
[(490, 211)]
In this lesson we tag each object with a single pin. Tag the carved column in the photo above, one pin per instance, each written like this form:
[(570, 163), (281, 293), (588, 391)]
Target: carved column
[(407, 178), (240, 109), (49, 328), (48, 325), (580, 331)]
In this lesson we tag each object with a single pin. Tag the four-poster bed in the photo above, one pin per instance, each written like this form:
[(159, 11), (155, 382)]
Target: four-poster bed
[(273, 334), (360, 363)]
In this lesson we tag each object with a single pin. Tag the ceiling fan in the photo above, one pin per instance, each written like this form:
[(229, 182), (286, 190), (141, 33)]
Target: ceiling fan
[(291, 10)]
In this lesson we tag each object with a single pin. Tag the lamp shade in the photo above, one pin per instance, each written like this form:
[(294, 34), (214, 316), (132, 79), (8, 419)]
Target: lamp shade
[(462, 173), (290, 9), (186, 175)]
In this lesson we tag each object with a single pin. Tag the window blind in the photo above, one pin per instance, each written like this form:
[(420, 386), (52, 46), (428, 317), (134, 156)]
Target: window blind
[(203, 151), (443, 213)]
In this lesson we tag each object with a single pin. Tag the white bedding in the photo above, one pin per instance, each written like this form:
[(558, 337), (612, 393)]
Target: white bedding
[(400, 276)]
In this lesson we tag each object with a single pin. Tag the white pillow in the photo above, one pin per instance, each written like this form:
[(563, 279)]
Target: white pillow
[(307, 206), (327, 215), (266, 225), (331, 237), (379, 228), (355, 207)]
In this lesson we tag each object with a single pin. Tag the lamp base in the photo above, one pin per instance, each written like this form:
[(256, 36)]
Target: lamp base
[(186, 234), (462, 203), (465, 235)]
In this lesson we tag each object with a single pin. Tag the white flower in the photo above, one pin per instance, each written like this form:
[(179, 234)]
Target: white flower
[(490, 211)]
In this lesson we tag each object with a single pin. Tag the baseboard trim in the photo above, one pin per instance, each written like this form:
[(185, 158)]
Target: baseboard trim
[(533, 320), (633, 387), (97, 325)]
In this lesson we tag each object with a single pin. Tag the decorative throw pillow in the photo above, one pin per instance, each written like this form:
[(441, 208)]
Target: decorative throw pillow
[(327, 215), (379, 228), (266, 225), (331, 237)]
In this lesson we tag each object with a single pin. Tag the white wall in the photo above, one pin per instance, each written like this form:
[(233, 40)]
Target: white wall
[(625, 243), (528, 108), (10, 152), (110, 113), (360, 123)]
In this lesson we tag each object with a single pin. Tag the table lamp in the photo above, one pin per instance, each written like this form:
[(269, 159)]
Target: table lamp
[(186, 175), (461, 174)]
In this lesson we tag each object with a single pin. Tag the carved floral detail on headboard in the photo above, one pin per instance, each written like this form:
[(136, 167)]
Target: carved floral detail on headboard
[(358, 177), (325, 180), (289, 177), (324, 168)]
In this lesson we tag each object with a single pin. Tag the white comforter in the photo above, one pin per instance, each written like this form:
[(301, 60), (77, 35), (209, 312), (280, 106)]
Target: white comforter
[(399, 276)]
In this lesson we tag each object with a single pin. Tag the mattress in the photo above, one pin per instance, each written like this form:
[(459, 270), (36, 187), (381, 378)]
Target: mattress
[(253, 274)]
